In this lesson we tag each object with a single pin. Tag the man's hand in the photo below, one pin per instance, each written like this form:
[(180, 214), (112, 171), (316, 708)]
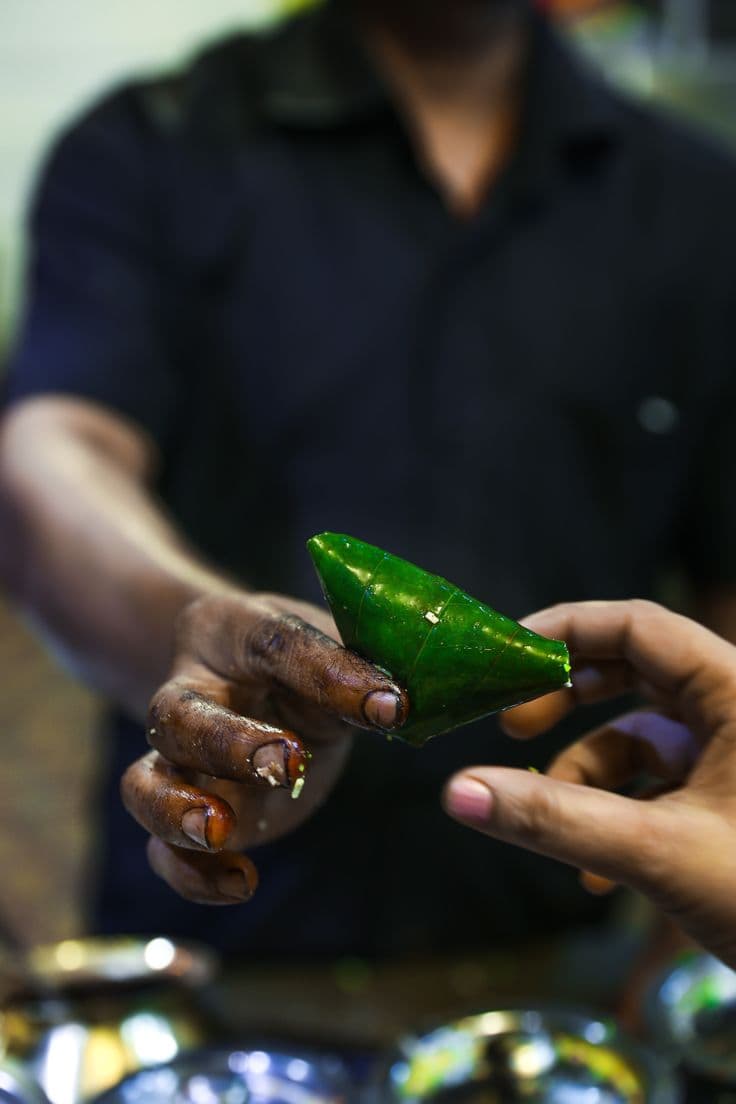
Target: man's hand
[(678, 847), (252, 675), (92, 556)]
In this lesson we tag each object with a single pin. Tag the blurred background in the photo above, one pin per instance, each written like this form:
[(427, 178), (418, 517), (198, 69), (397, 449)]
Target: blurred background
[(53, 59)]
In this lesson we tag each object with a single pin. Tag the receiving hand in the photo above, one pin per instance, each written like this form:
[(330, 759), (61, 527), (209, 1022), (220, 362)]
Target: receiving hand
[(679, 848)]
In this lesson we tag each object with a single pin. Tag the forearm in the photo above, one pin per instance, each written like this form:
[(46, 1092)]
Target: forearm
[(88, 551)]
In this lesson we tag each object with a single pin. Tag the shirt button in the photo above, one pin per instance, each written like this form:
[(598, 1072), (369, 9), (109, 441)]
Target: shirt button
[(656, 414)]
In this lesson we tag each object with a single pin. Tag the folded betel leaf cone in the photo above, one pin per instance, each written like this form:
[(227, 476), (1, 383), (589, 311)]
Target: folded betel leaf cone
[(458, 659)]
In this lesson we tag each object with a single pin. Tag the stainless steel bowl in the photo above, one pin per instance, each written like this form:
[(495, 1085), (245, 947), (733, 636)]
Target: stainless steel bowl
[(116, 961), (534, 1057), (691, 1013), (87, 1012), (16, 1087), (237, 1077)]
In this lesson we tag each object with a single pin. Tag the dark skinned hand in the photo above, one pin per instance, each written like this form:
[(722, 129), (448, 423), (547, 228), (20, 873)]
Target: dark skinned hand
[(252, 675)]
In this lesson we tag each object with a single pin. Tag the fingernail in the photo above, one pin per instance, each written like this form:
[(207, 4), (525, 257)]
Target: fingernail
[(269, 764), (194, 825), (232, 883), (381, 708), (468, 800)]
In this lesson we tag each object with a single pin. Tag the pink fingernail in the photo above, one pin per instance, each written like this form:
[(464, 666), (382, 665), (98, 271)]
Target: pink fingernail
[(468, 800)]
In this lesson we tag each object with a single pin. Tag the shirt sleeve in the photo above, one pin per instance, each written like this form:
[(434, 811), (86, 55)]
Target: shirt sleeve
[(92, 323)]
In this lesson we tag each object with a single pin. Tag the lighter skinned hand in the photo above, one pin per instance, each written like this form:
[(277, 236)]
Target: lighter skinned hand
[(252, 675), (678, 848)]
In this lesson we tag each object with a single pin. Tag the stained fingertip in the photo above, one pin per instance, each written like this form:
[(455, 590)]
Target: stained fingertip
[(208, 827), (281, 762), (296, 759), (220, 826), (270, 765)]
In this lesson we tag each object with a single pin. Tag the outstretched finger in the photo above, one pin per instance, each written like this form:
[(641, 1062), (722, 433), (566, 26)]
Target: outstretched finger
[(666, 650), (198, 733), (611, 836), (225, 878), (164, 803)]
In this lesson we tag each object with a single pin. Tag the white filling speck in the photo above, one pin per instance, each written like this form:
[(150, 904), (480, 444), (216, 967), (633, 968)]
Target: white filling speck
[(266, 772)]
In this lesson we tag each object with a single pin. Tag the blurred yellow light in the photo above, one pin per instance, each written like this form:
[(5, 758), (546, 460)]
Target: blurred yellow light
[(493, 1023), (70, 954), (533, 1059)]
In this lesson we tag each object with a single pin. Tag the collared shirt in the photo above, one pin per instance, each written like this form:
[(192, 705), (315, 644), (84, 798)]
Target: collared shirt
[(247, 259)]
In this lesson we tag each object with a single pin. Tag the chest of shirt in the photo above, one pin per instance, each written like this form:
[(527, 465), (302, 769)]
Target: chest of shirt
[(502, 373)]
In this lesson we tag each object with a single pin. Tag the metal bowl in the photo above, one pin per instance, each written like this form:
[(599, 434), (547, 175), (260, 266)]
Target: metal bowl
[(534, 1057), (87, 1012), (113, 962), (691, 1013), (16, 1087), (237, 1077)]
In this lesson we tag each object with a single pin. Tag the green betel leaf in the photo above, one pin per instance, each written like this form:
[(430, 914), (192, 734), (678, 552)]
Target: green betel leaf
[(458, 659)]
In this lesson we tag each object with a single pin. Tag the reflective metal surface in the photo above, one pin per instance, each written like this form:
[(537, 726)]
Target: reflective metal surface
[(16, 1087), (92, 1011), (121, 960), (237, 1077), (534, 1057), (691, 1012)]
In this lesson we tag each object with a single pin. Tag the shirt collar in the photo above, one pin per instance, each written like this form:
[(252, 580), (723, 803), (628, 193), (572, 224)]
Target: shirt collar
[(569, 114), (317, 75), (316, 72)]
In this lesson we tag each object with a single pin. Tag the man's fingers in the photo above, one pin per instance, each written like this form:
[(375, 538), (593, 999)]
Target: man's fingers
[(225, 878), (255, 642), (293, 654), (195, 732), (611, 836), (666, 650), (168, 806), (618, 752)]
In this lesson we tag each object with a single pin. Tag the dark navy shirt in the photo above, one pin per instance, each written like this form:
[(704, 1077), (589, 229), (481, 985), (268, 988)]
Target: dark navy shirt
[(246, 259)]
